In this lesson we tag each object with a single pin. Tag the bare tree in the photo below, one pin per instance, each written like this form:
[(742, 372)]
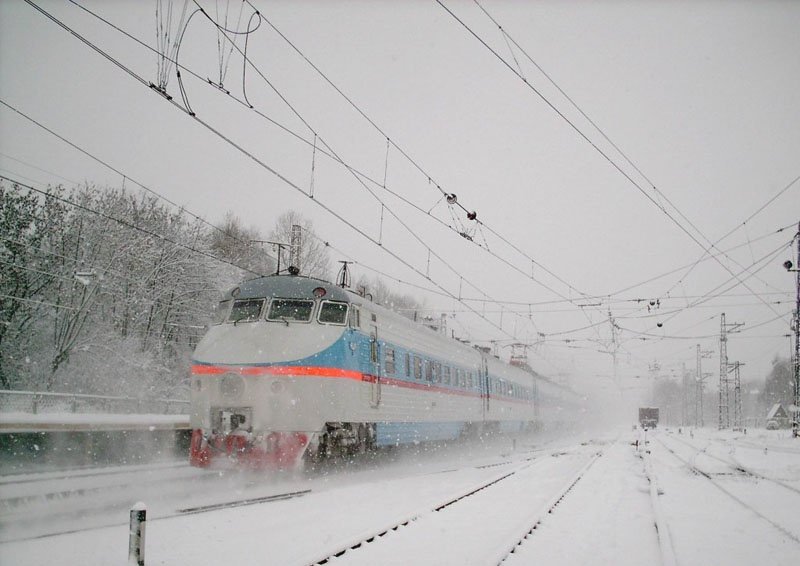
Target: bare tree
[(242, 246), (382, 294), (313, 254)]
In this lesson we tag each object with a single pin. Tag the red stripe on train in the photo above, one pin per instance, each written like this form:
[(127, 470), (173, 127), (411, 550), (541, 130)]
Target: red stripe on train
[(315, 371), (338, 373)]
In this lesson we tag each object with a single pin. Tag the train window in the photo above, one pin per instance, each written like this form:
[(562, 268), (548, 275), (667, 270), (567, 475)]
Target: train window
[(446, 375), (408, 364), (388, 361), (355, 317), (246, 310), (437, 372), (428, 370), (417, 367), (331, 312), (221, 312), (373, 349), (290, 310)]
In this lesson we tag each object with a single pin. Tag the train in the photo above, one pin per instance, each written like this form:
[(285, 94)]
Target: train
[(295, 368), (648, 417)]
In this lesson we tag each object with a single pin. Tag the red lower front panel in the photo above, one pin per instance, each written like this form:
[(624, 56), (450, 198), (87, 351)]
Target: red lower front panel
[(277, 450)]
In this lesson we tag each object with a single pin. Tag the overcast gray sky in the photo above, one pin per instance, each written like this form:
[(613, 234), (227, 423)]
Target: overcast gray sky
[(702, 97)]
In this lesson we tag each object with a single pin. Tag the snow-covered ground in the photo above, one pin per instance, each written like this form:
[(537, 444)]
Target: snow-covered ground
[(690, 497)]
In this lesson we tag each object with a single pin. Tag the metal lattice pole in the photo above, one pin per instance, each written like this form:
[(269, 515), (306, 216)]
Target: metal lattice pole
[(698, 402), (796, 420), (724, 383), (722, 421), (700, 384), (737, 396)]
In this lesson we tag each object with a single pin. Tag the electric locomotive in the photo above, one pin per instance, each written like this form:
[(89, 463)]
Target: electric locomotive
[(296, 366)]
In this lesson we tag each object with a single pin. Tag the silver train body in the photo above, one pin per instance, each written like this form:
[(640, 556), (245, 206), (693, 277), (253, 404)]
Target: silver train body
[(296, 366)]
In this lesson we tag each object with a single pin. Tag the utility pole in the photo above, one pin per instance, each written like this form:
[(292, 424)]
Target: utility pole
[(684, 395), (655, 367), (796, 422), (614, 345), (796, 328), (724, 420), (700, 382), (737, 395), (295, 246)]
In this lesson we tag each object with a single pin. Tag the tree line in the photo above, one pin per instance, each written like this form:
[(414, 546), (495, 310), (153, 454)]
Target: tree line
[(679, 404), (107, 291)]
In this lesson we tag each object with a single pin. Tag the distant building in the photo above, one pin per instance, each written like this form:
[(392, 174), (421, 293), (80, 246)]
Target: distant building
[(777, 417)]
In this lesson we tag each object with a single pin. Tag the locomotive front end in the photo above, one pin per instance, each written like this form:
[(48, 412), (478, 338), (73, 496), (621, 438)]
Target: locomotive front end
[(259, 393)]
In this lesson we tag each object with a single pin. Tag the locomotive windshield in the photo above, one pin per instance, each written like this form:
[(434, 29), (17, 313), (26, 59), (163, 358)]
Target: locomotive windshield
[(333, 313), (246, 310), (290, 309)]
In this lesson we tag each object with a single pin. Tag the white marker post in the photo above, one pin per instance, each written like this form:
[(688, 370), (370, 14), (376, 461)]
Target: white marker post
[(136, 539)]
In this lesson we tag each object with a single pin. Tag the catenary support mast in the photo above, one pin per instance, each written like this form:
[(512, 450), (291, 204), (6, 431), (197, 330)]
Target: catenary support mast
[(724, 420), (796, 419)]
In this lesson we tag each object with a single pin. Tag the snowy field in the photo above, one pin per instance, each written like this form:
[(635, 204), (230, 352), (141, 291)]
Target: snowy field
[(690, 497)]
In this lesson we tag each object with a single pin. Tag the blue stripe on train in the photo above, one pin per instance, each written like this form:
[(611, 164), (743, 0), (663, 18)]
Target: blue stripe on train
[(391, 434)]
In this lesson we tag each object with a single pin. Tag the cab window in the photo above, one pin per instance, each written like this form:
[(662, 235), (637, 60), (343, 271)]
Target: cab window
[(331, 312), (290, 310), (246, 310)]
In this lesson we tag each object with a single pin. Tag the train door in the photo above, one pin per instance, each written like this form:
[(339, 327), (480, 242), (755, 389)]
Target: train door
[(483, 379), (375, 362)]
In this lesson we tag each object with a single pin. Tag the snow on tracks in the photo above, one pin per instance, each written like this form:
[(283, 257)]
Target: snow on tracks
[(479, 526)]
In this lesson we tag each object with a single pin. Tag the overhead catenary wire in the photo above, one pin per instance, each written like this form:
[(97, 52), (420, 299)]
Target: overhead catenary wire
[(737, 227), (357, 178), (411, 160), (353, 170), (245, 152), (766, 259), (448, 295), (628, 159), (123, 175), (598, 149)]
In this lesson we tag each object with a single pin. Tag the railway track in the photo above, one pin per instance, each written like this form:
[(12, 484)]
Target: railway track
[(53, 503), (745, 488), (738, 467), (448, 510)]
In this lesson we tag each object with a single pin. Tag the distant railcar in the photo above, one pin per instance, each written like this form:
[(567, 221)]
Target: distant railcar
[(648, 417), (298, 367)]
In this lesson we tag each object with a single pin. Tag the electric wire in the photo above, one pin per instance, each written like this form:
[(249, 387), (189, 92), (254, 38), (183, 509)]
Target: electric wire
[(124, 175), (628, 160), (248, 154), (352, 169), (411, 160), (709, 295), (357, 178), (598, 149), (143, 83)]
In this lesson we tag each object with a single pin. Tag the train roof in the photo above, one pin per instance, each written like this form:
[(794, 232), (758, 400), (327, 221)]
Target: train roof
[(287, 287)]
